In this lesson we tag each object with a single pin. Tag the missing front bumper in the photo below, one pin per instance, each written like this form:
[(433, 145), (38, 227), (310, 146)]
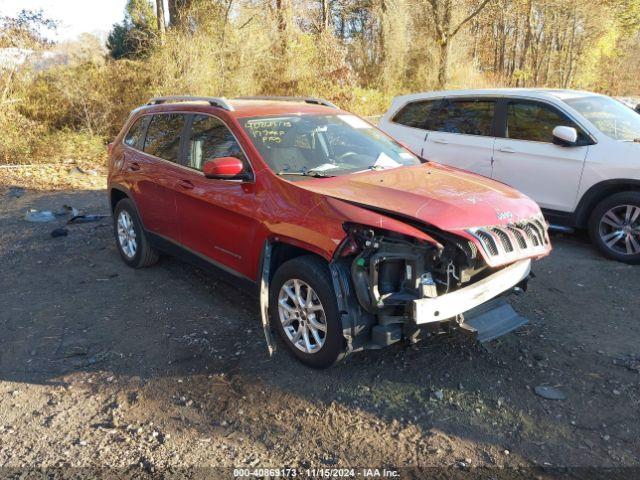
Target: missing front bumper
[(450, 305)]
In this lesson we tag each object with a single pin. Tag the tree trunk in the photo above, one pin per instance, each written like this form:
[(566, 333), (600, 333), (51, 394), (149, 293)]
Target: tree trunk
[(173, 12), (324, 15), (160, 18), (443, 66), (176, 8), (282, 11)]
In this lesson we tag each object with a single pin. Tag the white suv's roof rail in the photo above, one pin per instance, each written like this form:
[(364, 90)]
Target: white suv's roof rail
[(311, 100), (220, 102)]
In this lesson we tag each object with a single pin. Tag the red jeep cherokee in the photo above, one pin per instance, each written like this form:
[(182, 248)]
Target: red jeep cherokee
[(350, 241)]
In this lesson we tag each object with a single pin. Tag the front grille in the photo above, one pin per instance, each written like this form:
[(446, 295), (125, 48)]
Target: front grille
[(504, 238), (488, 242), (515, 240)]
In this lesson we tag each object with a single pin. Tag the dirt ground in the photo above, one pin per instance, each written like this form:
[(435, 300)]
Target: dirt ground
[(165, 370)]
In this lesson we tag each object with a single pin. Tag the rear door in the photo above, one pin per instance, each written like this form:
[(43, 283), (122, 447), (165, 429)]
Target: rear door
[(527, 159), (158, 172), (217, 217), (460, 133)]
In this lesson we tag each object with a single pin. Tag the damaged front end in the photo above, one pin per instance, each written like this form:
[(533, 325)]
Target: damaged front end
[(404, 285)]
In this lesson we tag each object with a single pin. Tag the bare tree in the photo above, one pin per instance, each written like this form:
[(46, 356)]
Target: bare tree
[(445, 32), (160, 19), (176, 8)]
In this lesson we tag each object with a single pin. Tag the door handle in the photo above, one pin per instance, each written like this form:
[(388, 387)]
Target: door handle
[(134, 166), (185, 184), (440, 140), (507, 150)]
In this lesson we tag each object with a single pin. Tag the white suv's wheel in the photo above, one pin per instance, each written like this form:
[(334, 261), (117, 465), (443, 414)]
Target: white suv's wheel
[(614, 227)]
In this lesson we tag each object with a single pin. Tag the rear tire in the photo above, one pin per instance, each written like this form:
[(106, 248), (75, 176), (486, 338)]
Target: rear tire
[(614, 227), (131, 239), (303, 309)]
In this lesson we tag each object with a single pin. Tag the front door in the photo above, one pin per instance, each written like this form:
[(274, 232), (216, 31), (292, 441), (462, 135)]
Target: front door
[(217, 217), (528, 160)]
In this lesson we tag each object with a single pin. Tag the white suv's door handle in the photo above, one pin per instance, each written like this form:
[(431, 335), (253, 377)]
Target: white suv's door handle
[(507, 150), (440, 140)]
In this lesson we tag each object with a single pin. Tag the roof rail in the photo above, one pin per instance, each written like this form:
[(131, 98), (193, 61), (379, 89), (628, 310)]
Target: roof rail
[(312, 100), (219, 102)]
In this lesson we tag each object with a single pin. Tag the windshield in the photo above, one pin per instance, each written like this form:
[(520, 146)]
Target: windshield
[(611, 117), (324, 145)]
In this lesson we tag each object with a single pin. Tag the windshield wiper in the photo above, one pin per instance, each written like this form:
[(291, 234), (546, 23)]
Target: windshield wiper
[(308, 173)]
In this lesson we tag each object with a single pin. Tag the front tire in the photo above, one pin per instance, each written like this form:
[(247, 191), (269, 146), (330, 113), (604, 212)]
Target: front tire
[(131, 239), (304, 310), (614, 227)]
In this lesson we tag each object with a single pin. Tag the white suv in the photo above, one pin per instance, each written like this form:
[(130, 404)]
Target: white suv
[(575, 153)]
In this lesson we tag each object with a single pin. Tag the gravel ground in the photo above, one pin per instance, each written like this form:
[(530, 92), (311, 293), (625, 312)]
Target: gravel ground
[(165, 370)]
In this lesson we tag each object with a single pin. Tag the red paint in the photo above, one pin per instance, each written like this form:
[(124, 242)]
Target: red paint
[(223, 167), (229, 220)]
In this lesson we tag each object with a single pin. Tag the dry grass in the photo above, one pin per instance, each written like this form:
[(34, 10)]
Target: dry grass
[(54, 176)]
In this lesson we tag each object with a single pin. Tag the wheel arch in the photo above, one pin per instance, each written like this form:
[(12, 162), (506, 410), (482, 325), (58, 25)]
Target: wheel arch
[(599, 192), (119, 192), (283, 250)]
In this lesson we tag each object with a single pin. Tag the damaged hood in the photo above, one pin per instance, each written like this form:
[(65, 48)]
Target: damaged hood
[(447, 198)]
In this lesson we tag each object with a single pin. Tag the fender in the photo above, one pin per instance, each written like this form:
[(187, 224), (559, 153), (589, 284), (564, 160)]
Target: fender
[(277, 238), (599, 192)]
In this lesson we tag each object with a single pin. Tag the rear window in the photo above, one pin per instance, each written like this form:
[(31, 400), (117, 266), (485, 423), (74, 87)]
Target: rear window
[(134, 135), (163, 136), (466, 117), (414, 114)]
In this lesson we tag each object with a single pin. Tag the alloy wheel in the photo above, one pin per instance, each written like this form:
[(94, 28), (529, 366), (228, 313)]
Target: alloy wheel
[(127, 234), (302, 316), (619, 229)]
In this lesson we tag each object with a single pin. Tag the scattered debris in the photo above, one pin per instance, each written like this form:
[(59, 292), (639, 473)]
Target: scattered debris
[(59, 232), (76, 171), (630, 362), (39, 216), (15, 192), (550, 393), (85, 218), (75, 350), (68, 210)]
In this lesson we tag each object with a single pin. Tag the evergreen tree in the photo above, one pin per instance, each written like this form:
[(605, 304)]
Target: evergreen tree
[(137, 34)]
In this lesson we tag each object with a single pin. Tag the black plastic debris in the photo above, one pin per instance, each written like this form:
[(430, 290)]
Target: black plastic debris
[(86, 218), (59, 232), (15, 192)]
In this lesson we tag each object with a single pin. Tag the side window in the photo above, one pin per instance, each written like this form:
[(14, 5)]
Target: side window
[(414, 114), (467, 117), (163, 136), (210, 138), (134, 135), (535, 121)]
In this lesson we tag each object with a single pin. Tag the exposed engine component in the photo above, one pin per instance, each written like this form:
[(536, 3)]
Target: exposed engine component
[(390, 270)]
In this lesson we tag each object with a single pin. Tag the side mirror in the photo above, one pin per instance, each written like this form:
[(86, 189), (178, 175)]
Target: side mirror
[(565, 136), (638, 108), (223, 167)]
